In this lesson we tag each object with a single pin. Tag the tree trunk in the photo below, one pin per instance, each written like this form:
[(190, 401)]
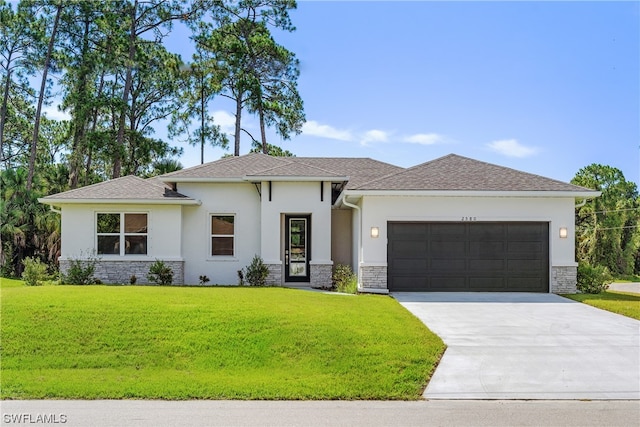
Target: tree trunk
[(263, 133), (81, 115), (3, 108), (36, 126), (117, 159), (202, 118), (236, 151)]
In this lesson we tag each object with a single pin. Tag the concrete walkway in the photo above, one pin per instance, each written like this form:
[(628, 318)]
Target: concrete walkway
[(528, 346), (625, 287)]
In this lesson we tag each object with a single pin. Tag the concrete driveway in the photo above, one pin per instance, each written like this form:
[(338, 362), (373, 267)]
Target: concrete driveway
[(528, 346)]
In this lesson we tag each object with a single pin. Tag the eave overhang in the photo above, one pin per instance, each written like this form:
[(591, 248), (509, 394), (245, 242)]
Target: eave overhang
[(474, 193), (177, 201)]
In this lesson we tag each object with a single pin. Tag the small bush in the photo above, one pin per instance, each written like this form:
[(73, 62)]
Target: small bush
[(592, 279), (133, 279), (256, 273), (80, 272), (160, 273), (35, 272), (240, 278), (203, 279), (344, 279)]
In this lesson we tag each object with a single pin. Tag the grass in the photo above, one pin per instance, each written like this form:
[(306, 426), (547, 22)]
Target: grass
[(623, 303), (121, 342)]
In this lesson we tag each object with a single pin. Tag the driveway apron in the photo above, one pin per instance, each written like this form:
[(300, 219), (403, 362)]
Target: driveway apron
[(528, 346)]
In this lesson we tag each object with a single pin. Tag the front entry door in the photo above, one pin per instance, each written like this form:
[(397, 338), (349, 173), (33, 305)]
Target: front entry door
[(297, 251)]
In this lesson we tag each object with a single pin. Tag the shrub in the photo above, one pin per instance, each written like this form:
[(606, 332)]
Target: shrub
[(35, 272), (203, 279), (80, 272), (344, 279), (592, 279), (240, 278), (133, 279), (160, 273), (256, 273)]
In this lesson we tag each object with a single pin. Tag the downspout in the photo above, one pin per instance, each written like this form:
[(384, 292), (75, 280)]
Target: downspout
[(52, 209), (356, 207)]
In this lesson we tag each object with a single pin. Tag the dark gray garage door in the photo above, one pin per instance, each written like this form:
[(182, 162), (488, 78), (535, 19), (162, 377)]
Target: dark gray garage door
[(468, 257)]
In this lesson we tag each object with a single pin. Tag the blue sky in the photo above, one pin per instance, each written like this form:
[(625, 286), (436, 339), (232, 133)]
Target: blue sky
[(544, 87)]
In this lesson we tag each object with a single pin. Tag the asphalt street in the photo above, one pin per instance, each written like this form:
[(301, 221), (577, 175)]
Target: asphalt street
[(477, 413)]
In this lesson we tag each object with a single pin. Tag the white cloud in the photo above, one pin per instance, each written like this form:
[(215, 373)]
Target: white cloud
[(325, 131), (226, 121), (374, 135), (512, 148), (425, 138), (52, 113)]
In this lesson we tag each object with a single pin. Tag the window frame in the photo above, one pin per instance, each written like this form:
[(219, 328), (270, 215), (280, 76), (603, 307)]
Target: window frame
[(122, 234), (212, 236)]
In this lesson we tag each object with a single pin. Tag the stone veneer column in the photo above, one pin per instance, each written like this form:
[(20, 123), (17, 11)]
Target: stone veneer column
[(374, 278), (274, 278), (120, 271), (564, 279), (321, 275)]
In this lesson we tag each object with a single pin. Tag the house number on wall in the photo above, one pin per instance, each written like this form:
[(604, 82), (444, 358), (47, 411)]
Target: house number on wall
[(469, 218)]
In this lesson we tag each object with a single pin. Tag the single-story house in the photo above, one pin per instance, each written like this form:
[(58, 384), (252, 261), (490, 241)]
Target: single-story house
[(451, 224)]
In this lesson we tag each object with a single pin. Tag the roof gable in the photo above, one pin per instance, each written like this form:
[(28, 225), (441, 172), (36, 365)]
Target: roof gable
[(457, 173)]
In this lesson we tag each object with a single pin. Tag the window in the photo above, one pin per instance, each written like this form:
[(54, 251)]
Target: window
[(116, 239), (222, 235)]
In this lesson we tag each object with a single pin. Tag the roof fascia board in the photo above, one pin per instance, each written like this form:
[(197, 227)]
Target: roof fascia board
[(294, 178), (469, 193), (58, 202), (188, 179)]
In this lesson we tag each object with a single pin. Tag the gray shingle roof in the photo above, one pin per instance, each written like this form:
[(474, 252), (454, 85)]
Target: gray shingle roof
[(124, 188), (453, 172), (359, 170)]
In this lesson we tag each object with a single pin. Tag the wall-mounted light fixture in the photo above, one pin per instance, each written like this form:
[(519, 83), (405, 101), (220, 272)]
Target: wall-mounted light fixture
[(563, 232), (375, 232)]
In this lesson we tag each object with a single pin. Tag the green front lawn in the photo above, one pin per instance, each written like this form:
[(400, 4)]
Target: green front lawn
[(119, 342), (623, 303)]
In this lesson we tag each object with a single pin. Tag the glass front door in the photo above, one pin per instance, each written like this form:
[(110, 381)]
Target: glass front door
[(297, 248)]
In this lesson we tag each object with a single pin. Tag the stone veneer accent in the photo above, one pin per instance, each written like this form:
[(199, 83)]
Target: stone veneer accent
[(274, 278), (321, 275), (564, 280), (373, 277), (120, 272)]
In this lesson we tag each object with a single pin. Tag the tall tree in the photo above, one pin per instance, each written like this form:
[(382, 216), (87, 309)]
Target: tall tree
[(151, 20), (240, 41), (41, 94), (201, 83), (20, 39), (608, 230)]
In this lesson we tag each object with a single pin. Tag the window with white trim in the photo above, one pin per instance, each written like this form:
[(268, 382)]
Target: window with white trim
[(120, 233), (222, 235)]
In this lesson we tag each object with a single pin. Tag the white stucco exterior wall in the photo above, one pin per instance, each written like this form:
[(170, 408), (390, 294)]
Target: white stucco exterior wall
[(291, 198), (377, 210), (79, 231), (239, 199)]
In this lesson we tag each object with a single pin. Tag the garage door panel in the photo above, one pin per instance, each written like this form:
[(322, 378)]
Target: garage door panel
[(447, 265), (480, 249), (468, 256), (409, 248), (441, 249), (445, 284), (408, 264), (480, 265)]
